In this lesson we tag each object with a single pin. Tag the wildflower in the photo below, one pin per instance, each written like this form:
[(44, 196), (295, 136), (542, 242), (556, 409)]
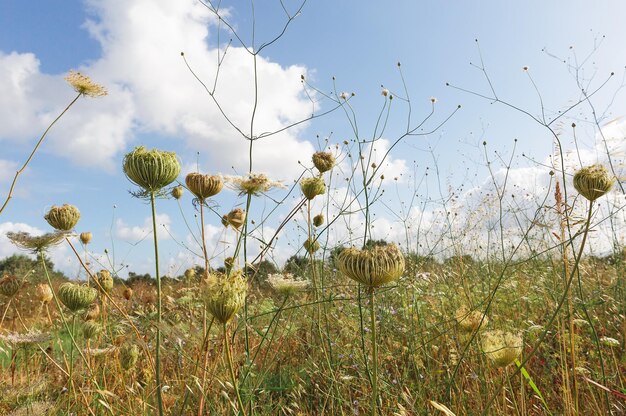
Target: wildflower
[(98, 352), (234, 218), (285, 284), (252, 183), (372, 267), (63, 218), (82, 84), (470, 321), (9, 285), (502, 347), (43, 293), (76, 297), (609, 342), (151, 170), (593, 181), (323, 161), (28, 338), (177, 192), (204, 186), (312, 187), (86, 237), (225, 294), (36, 244)]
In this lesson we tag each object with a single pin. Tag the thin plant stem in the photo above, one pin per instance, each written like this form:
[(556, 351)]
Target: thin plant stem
[(374, 409), (229, 358), (158, 328)]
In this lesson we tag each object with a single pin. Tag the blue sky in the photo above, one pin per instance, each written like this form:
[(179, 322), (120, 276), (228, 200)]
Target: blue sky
[(133, 47)]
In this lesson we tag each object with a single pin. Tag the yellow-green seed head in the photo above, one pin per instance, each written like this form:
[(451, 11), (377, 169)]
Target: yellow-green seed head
[(373, 266), (225, 295), (129, 354), (86, 237), (178, 191), (593, 181), (470, 321), (318, 220), (91, 329), (104, 281), (63, 218), (9, 285), (234, 218), (43, 293), (204, 186), (311, 245), (76, 297), (312, 187), (151, 170), (502, 347), (323, 161)]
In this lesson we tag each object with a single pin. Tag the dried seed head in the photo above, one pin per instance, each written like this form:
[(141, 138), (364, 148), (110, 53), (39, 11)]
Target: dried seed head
[(63, 218), (128, 293), (91, 329), (76, 297), (311, 245), (129, 354), (234, 218), (38, 243), (151, 170), (43, 293), (103, 281), (312, 187), (502, 347), (9, 285), (593, 181), (318, 220), (225, 294), (323, 161), (373, 266), (82, 84), (190, 273), (86, 237), (204, 186), (470, 321), (285, 284), (92, 313), (178, 191)]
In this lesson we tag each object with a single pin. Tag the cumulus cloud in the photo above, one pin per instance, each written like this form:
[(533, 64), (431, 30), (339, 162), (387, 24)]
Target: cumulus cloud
[(136, 233)]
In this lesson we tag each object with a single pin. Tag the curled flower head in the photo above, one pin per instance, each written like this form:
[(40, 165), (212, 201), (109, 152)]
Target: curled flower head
[(204, 186), (373, 266), (129, 354), (9, 285), (82, 84), (286, 284), (252, 183), (86, 237), (502, 347), (76, 297), (177, 192), (151, 170), (63, 218), (323, 161), (234, 218), (225, 294), (91, 329), (470, 321), (593, 181), (35, 244), (312, 187)]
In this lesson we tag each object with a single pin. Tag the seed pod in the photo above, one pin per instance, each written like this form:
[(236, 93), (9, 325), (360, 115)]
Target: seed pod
[(91, 329), (225, 295), (63, 218), (204, 186), (9, 285), (104, 281), (43, 293), (312, 187), (593, 181), (311, 245), (92, 313), (151, 170), (234, 218), (323, 161), (372, 267), (178, 191), (86, 237), (128, 293), (129, 354), (318, 220), (76, 297)]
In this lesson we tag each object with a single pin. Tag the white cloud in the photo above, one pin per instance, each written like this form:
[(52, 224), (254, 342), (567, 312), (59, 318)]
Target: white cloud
[(136, 233), (7, 171)]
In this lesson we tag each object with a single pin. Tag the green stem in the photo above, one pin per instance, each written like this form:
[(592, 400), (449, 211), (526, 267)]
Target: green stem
[(374, 410), (229, 358), (158, 328)]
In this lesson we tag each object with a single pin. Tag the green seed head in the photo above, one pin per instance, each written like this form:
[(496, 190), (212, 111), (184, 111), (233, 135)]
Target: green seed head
[(76, 297), (177, 192), (104, 281), (318, 220), (225, 294), (323, 161), (234, 218), (9, 285), (502, 347), (312, 187), (593, 181), (91, 329), (63, 218), (151, 170), (373, 266), (129, 354), (311, 245), (204, 186)]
